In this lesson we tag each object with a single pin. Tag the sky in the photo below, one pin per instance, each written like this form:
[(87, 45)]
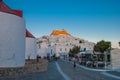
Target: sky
[(92, 20)]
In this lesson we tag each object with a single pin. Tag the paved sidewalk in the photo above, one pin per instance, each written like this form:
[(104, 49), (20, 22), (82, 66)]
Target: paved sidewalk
[(80, 73), (114, 73), (67, 68)]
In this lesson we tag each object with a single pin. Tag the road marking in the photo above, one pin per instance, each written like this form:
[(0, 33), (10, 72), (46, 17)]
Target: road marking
[(61, 72), (110, 75)]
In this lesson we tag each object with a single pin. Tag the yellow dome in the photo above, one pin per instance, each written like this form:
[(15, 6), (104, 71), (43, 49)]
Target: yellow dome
[(62, 32)]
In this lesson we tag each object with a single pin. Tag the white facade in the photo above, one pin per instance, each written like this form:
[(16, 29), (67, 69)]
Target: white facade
[(31, 48), (87, 45), (61, 44), (115, 55), (62, 50), (12, 40), (42, 52)]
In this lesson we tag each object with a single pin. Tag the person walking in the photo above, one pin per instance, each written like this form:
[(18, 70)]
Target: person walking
[(74, 65)]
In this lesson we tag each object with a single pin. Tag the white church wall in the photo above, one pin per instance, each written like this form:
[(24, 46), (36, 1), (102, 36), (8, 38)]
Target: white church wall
[(12, 40)]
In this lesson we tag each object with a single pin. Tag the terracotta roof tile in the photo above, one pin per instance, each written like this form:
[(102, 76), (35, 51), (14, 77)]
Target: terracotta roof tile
[(28, 34), (7, 9)]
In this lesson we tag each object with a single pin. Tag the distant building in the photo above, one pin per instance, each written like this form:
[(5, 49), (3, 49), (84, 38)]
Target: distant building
[(31, 46), (12, 37), (115, 57), (60, 43)]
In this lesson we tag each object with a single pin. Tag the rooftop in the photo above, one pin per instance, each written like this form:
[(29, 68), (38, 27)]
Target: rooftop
[(60, 32)]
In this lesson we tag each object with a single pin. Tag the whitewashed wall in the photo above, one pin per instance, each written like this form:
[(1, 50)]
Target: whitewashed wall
[(89, 46), (31, 48), (12, 40), (42, 52), (115, 54), (62, 49)]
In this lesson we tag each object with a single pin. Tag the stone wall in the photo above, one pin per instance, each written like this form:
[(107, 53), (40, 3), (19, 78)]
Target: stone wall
[(31, 66)]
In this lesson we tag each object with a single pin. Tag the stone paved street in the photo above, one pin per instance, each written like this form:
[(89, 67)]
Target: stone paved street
[(51, 74), (81, 74), (67, 67)]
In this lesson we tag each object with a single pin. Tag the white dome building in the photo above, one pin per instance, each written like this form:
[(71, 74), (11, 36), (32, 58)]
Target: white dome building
[(31, 46), (12, 37)]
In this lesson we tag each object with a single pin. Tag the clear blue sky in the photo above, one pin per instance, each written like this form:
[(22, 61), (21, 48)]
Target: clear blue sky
[(93, 20)]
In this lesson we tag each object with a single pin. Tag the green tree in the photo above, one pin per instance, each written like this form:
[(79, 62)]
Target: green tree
[(74, 50), (102, 46)]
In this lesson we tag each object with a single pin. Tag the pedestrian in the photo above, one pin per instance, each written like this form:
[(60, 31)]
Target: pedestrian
[(74, 65)]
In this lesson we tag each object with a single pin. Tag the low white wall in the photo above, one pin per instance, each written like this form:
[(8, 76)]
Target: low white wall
[(31, 48), (12, 40)]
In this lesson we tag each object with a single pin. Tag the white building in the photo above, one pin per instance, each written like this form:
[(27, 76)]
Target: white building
[(42, 46), (12, 37), (86, 45), (115, 57), (60, 43), (31, 46)]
